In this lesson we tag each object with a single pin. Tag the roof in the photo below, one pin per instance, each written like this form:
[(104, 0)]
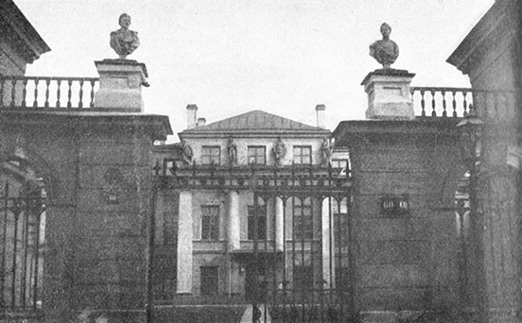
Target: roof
[(256, 122), (21, 31)]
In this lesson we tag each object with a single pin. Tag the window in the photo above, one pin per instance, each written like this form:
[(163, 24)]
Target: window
[(302, 155), (256, 155), (210, 155), (303, 278), (261, 222), (169, 164), (340, 163), (209, 280), (210, 222), (303, 219)]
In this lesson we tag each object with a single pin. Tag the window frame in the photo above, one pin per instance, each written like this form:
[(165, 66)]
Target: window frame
[(211, 157), (213, 223), (303, 223), (261, 235), (256, 156), (300, 155)]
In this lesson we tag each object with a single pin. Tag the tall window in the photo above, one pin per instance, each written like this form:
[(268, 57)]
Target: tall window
[(210, 155), (303, 219), (260, 215), (302, 154), (340, 222), (256, 155), (210, 222), (209, 280)]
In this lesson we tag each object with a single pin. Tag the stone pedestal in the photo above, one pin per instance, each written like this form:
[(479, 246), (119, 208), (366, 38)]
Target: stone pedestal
[(120, 85), (389, 96)]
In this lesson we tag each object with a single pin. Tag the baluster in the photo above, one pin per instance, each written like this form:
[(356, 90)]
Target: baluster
[(465, 94), (454, 103), (423, 104), (13, 92), (80, 103), (47, 82), (2, 92), (92, 94), (35, 103), (433, 113), (24, 92), (58, 82), (69, 94), (444, 113)]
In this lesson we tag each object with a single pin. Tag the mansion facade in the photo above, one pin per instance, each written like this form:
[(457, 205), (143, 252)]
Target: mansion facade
[(245, 205)]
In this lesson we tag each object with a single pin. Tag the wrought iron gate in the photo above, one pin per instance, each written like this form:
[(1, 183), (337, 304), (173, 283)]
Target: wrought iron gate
[(308, 277), (21, 223)]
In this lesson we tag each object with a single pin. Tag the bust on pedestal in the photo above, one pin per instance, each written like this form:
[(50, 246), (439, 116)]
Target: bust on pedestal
[(388, 89), (121, 79)]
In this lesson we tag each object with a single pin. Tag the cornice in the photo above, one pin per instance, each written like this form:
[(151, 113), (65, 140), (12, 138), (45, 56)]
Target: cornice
[(494, 31), (21, 32)]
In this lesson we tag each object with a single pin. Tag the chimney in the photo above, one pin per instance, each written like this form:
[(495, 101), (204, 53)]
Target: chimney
[(192, 111), (201, 122), (319, 109)]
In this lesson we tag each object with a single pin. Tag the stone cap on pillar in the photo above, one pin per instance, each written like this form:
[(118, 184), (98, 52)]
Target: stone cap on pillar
[(389, 94), (120, 84)]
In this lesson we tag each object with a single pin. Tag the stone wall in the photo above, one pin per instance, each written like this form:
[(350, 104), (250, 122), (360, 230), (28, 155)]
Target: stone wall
[(403, 261), (96, 167)]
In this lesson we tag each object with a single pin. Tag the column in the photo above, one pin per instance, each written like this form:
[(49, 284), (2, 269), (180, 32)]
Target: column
[(327, 238), (233, 226), (184, 257), (279, 224)]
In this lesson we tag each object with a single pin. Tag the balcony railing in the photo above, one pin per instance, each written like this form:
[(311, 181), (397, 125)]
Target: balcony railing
[(456, 102), (47, 92)]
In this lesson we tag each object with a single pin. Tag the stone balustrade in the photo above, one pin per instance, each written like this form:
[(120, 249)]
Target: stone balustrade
[(47, 92)]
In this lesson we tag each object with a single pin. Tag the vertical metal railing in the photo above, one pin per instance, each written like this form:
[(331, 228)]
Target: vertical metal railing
[(21, 266)]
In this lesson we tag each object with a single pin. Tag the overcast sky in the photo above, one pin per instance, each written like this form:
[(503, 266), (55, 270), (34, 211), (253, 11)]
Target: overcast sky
[(234, 56)]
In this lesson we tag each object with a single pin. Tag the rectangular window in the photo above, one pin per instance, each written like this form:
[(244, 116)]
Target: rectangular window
[(303, 219), (261, 222), (340, 163), (210, 222), (209, 280), (302, 155), (303, 278), (256, 155), (210, 155), (168, 166)]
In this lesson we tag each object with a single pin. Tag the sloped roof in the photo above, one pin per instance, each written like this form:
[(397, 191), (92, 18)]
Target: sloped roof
[(256, 121)]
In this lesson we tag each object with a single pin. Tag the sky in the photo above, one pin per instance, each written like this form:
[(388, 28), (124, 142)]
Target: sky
[(233, 56)]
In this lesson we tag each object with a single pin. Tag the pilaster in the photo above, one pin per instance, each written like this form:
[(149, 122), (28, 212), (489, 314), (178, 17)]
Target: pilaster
[(184, 259)]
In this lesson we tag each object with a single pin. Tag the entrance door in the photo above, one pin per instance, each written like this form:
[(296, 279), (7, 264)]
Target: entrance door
[(255, 285), (209, 280)]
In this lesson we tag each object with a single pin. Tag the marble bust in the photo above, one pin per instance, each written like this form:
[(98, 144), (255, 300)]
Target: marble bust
[(123, 40), (385, 51)]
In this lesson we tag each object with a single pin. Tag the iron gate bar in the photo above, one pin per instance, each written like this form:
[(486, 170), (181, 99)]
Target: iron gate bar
[(288, 183), (13, 268), (4, 247)]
